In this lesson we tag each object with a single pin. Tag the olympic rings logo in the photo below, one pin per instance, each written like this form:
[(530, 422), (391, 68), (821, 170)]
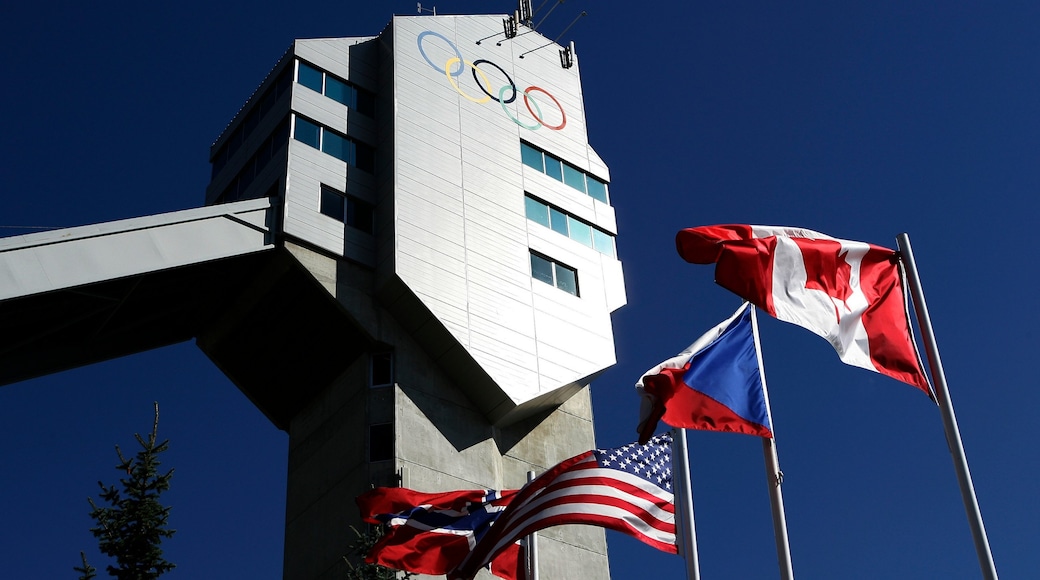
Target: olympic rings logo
[(506, 94)]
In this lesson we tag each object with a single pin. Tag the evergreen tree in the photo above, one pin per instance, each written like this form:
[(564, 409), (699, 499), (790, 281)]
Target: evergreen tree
[(133, 524), (357, 569)]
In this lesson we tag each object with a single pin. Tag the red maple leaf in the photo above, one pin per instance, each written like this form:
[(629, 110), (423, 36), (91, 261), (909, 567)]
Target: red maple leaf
[(827, 270)]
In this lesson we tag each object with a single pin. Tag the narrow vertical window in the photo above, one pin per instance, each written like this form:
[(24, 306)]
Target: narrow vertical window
[(558, 221), (309, 77), (307, 132), (536, 211), (541, 269), (531, 157), (381, 442), (381, 369), (574, 177), (597, 189)]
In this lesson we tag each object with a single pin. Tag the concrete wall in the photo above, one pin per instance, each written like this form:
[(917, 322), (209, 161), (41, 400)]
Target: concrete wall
[(441, 442)]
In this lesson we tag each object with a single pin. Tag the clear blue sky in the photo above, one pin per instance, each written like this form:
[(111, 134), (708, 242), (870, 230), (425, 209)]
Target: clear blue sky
[(858, 119)]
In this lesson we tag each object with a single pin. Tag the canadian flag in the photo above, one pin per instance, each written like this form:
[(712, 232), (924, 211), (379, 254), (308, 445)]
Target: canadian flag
[(850, 293)]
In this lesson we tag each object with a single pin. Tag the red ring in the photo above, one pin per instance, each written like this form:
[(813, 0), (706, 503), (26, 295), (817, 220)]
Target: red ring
[(558, 106)]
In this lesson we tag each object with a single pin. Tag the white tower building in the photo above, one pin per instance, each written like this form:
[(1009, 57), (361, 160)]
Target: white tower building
[(408, 264)]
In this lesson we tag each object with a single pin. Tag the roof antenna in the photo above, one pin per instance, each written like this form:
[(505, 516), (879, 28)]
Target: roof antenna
[(421, 9)]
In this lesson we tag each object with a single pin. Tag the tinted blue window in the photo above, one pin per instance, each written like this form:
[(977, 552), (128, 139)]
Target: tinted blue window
[(309, 77), (566, 279), (339, 91), (332, 203), (338, 147), (603, 241), (597, 189), (552, 168), (574, 177), (307, 132), (541, 269), (558, 220), (580, 231), (531, 157), (536, 211)]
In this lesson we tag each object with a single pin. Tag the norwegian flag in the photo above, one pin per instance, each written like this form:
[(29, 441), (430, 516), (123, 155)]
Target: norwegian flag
[(430, 533), (850, 293), (628, 489)]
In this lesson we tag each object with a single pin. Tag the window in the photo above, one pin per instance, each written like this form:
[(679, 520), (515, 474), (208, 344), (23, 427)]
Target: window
[(563, 171), (307, 132), (554, 273), (252, 168), (561, 222), (356, 213), (264, 105), (341, 91), (342, 147), (381, 369), (381, 442)]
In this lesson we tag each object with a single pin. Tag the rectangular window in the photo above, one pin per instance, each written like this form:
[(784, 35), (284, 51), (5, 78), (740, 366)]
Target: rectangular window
[(365, 157), (563, 171), (531, 157), (579, 231), (333, 202), (574, 177), (597, 189), (309, 77), (574, 228), (337, 146), (381, 369), (381, 442), (541, 269), (356, 213), (554, 273), (537, 211), (360, 215), (566, 279), (307, 132), (366, 103), (553, 168), (339, 91), (558, 221), (603, 242)]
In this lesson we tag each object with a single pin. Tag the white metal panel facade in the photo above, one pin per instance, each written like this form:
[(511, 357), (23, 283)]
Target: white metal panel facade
[(462, 240)]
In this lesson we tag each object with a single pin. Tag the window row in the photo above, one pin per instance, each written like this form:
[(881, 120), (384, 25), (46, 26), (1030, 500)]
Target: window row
[(578, 230), (356, 213), (256, 164), (342, 147), (554, 273), (563, 171), (264, 105), (338, 90)]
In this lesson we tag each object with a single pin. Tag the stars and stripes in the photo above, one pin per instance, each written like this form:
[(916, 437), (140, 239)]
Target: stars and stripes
[(627, 489)]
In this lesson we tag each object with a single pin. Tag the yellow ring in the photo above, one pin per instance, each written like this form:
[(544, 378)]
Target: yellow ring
[(487, 83)]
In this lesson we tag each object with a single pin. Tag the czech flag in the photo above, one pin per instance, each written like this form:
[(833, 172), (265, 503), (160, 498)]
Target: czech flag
[(715, 384)]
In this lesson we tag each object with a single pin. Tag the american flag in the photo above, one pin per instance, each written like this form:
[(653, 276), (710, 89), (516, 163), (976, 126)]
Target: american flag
[(627, 489)]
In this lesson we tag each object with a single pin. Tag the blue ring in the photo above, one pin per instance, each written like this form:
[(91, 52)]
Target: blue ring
[(424, 34)]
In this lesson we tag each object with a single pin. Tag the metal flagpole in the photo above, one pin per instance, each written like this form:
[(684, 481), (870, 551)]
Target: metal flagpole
[(774, 477), (683, 493), (942, 394), (531, 547)]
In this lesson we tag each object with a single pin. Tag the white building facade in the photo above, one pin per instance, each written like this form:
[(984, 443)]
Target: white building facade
[(437, 181)]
